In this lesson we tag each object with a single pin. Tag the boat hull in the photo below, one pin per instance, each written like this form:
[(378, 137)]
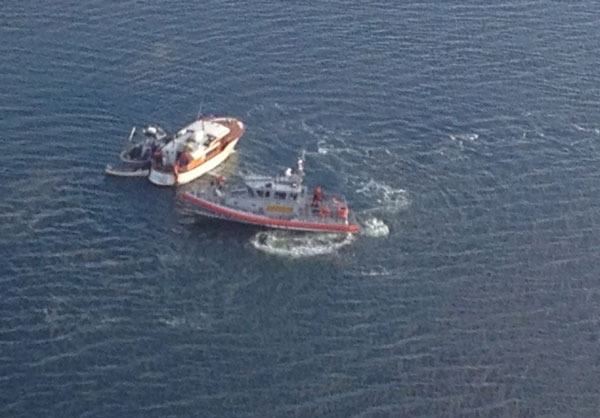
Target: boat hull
[(132, 162), (128, 170), (203, 164), (162, 178), (212, 209)]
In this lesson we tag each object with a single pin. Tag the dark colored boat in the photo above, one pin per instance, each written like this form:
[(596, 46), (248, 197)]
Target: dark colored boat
[(136, 158)]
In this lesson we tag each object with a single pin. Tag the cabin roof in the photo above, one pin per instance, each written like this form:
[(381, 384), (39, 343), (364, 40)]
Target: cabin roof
[(291, 183), (213, 128)]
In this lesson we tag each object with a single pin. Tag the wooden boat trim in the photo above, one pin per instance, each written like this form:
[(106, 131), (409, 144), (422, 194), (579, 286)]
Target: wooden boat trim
[(236, 130)]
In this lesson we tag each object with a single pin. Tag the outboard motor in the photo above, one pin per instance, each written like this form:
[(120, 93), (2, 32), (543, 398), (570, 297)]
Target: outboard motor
[(150, 131)]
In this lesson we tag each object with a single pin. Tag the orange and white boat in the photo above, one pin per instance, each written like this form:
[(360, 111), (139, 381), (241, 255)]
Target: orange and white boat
[(275, 202), (195, 150)]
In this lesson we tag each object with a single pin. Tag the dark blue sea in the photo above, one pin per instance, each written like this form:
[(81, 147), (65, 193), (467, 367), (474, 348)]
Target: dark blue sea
[(465, 135)]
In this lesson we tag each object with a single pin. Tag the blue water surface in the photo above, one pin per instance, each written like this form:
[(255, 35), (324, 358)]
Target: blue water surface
[(469, 130)]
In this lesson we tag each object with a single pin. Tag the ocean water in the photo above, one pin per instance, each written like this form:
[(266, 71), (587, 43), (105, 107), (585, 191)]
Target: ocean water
[(466, 136)]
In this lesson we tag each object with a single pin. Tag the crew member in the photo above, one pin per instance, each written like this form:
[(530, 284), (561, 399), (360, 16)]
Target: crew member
[(317, 196)]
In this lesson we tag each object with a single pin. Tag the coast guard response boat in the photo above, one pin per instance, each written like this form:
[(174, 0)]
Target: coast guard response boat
[(281, 202)]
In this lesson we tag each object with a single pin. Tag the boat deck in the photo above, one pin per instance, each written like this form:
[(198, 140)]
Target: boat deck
[(235, 131)]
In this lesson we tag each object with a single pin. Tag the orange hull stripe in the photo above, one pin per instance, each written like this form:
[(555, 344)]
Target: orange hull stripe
[(263, 220)]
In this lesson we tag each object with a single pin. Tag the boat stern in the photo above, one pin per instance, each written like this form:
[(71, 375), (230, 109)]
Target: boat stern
[(161, 178)]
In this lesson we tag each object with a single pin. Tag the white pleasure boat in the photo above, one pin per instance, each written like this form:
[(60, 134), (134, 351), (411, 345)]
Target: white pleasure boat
[(195, 150)]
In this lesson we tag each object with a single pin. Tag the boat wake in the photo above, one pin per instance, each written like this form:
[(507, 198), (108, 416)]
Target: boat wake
[(470, 137), (386, 198), (375, 228), (584, 129), (298, 244)]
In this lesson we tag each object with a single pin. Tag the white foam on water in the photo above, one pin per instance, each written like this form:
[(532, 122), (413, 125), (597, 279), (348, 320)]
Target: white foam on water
[(387, 198), (331, 141), (583, 129), (199, 321), (375, 228), (324, 148), (321, 147), (373, 271), (173, 322), (464, 137), (299, 244)]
